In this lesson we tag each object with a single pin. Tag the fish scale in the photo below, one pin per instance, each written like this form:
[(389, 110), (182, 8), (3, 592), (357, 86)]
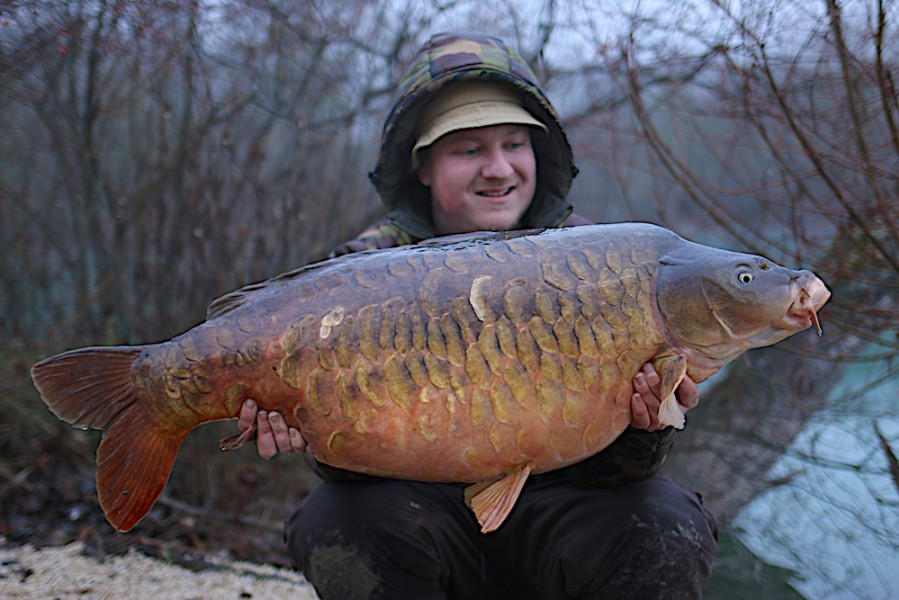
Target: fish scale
[(477, 359), (473, 358)]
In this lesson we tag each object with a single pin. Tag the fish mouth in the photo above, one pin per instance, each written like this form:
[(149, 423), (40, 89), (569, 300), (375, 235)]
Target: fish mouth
[(803, 313)]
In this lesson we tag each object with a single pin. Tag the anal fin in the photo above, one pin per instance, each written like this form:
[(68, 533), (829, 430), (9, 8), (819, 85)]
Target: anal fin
[(492, 501)]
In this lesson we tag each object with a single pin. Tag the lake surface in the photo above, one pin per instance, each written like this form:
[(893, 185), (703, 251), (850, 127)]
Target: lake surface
[(836, 523)]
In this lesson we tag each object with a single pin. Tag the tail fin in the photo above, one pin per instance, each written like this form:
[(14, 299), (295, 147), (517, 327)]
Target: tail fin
[(92, 387)]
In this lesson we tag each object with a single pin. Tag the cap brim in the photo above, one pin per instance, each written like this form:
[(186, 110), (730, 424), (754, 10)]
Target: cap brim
[(471, 116)]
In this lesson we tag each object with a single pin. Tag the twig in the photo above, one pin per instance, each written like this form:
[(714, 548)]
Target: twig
[(19, 479), (891, 456), (217, 515)]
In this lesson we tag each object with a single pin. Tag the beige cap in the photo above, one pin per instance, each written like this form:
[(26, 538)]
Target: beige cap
[(470, 104)]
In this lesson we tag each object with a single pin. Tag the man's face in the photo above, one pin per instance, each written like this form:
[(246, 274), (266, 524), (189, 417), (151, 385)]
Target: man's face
[(480, 179)]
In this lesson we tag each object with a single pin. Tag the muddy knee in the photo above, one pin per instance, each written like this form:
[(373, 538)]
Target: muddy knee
[(366, 541), (338, 568), (665, 551)]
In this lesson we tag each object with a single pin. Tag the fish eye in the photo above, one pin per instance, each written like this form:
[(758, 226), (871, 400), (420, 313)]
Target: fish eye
[(745, 277)]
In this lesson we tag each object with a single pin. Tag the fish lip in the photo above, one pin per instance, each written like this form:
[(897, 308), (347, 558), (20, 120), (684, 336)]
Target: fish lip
[(810, 298)]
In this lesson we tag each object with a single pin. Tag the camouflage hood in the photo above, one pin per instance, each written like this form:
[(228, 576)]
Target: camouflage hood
[(445, 59)]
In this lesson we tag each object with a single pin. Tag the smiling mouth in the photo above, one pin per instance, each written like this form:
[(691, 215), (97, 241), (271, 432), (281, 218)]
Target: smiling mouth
[(496, 193)]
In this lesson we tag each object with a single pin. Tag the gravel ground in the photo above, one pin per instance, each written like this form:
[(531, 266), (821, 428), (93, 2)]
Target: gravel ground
[(60, 572)]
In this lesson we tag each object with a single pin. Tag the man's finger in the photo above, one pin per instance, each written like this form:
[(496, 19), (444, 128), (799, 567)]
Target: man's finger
[(247, 415), (650, 397), (279, 429), (266, 445), (296, 440), (640, 418), (687, 393), (652, 380)]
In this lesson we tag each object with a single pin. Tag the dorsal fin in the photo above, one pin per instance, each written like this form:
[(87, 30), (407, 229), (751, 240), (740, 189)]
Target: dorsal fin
[(476, 236), (233, 300)]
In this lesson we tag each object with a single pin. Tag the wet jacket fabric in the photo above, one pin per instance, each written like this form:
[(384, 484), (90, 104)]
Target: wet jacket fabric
[(448, 58)]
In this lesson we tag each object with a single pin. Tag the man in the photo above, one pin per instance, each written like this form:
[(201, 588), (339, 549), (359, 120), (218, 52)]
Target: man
[(473, 144)]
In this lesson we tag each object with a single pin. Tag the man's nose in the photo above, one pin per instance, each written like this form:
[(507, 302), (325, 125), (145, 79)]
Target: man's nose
[(497, 165)]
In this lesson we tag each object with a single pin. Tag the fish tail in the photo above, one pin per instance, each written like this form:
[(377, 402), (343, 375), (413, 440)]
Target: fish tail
[(92, 388)]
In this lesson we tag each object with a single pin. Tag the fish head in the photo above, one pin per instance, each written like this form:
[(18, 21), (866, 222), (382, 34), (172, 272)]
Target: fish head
[(718, 304)]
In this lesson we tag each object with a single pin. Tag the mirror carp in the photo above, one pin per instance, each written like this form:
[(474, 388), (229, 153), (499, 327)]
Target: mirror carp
[(477, 358)]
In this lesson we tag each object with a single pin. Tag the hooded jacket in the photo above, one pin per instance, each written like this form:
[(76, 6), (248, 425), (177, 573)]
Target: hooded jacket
[(449, 58)]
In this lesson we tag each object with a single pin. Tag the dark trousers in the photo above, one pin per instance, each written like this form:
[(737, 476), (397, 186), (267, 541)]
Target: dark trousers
[(409, 540)]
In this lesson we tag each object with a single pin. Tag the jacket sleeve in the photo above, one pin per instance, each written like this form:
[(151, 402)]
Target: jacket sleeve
[(634, 456), (383, 234)]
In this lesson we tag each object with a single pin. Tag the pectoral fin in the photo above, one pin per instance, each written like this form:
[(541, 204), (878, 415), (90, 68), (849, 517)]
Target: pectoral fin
[(492, 501), (671, 369), (671, 414)]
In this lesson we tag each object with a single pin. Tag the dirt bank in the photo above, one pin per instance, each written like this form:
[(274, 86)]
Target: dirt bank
[(66, 572)]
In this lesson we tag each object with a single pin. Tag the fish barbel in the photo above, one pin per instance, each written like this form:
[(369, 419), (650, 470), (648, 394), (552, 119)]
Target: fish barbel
[(478, 359)]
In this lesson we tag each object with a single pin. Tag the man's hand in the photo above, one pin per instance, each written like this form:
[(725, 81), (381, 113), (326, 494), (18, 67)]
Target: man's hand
[(645, 402), (272, 433)]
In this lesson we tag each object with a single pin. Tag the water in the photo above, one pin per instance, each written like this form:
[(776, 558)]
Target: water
[(836, 523)]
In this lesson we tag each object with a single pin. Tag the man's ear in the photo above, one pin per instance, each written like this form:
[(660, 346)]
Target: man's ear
[(424, 174), (423, 168)]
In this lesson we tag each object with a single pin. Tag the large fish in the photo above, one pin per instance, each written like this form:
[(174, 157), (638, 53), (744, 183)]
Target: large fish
[(480, 359)]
